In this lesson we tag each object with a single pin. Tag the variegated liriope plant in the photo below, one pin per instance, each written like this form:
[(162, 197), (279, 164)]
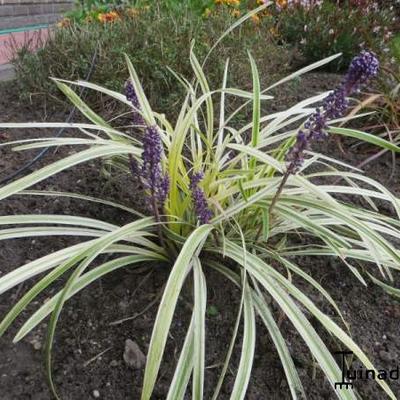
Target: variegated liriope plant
[(221, 197)]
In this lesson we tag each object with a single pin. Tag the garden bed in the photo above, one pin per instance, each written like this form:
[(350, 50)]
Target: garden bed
[(90, 343)]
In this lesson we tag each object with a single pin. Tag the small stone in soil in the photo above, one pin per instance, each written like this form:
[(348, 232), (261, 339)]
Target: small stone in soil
[(123, 305), (36, 344), (133, 356), (386, 356), (96, 394)]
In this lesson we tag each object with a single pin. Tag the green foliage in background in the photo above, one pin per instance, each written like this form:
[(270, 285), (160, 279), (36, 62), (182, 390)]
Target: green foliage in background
[(154, 40), (322, 30), (395, 48)]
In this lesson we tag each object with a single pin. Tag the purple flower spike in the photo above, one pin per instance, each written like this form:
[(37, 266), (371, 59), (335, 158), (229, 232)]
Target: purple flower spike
[(204, 214), (132, 97), (151, 173), (164, 189), (295, 156), (362, 68)]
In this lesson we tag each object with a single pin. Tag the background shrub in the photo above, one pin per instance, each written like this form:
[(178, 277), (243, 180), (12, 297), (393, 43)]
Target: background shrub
[(154, 39), (395, 48), (86, 7), (321, 30), (157, 34)]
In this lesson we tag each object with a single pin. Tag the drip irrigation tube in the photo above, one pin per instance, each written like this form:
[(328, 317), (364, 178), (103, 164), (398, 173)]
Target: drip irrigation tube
[(23, 29), (43, 152)]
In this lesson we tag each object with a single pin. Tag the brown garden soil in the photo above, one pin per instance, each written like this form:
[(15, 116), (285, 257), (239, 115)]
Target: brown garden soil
[(88, 351)]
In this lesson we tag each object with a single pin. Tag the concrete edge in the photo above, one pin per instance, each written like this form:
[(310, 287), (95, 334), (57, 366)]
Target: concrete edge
[(7, 72)]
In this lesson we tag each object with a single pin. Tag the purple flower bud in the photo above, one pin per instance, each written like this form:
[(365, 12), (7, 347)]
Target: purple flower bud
[(204, 214), (295, 156), (151, 173), (163, 189), (132, 97), (196, 178), (362, 68), (336, 104)]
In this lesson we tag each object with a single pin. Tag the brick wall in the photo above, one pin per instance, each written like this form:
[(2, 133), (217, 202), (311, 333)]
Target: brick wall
[(20, 13)]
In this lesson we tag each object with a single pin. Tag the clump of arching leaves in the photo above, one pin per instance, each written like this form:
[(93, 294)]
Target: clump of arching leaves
[(222, 197)]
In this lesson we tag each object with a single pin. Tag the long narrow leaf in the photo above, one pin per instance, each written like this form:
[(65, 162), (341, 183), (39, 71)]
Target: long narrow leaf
[(168, 303)]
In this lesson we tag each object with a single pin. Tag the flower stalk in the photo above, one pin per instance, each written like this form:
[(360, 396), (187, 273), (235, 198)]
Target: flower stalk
[(155, 182), (363, 67), (203, 213), (131, 96)]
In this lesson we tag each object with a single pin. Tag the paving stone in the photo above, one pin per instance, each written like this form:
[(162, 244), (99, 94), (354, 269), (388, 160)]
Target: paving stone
[(20, 13)]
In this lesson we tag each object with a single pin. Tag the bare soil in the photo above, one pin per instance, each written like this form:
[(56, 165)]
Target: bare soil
[(88, 352)]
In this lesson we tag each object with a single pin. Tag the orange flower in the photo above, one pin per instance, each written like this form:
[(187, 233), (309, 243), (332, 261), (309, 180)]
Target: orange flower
[(108, 17), (281, 3), (256, 19), (233, 3), (64, 23), (235, 13), (274, 32)]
